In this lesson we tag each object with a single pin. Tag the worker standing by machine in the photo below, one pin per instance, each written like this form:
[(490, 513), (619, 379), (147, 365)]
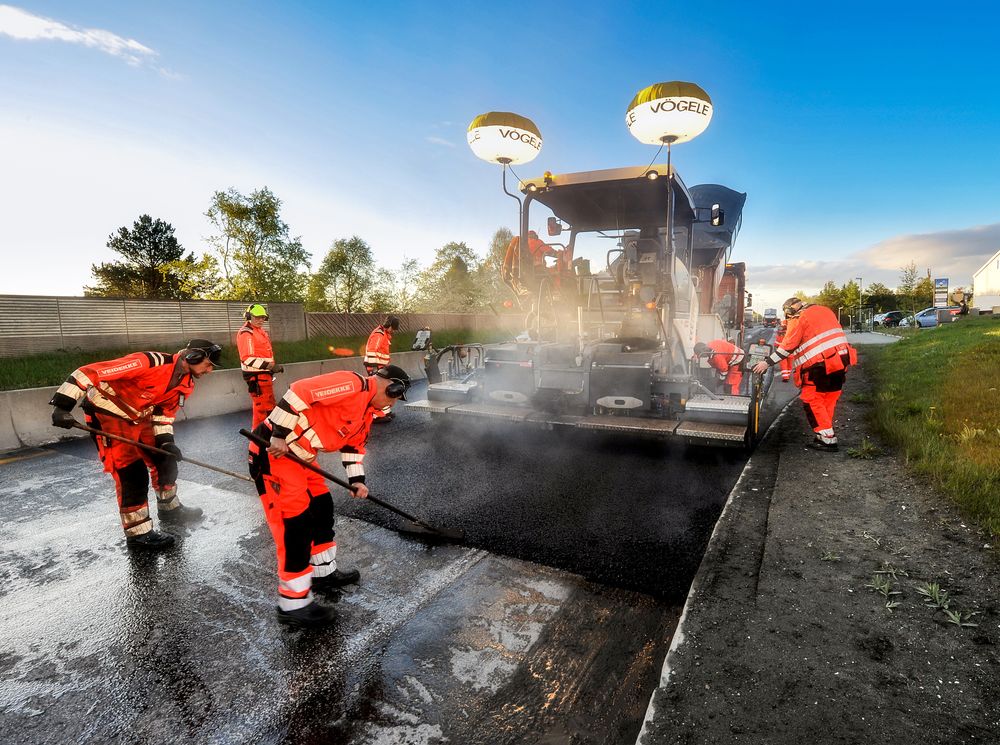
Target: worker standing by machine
[(137, 397), (726, 359), (820, 355), (327, 413), (257, 361), (379, 342)]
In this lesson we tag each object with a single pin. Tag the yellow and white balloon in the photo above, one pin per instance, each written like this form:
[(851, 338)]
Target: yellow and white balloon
[(668, 113), (504, 137)]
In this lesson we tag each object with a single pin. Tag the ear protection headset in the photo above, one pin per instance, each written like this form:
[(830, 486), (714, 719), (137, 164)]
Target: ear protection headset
[(396, 388), (198, 354)]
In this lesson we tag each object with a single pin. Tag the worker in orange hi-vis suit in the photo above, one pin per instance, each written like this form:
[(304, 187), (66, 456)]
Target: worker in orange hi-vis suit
[(820, 355), (379, 342), (537, 249), (779, 335), (327, 413), (726, 359), (257, 361), (137, 396)]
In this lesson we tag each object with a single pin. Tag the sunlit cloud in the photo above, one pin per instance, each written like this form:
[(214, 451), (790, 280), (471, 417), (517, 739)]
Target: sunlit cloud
[(24, 26)]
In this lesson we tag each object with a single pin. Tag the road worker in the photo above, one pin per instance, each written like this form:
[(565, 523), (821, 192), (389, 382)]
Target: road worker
[(779, 335), (257, 361), (537, 249), (327, 413), (820, 355), (379, 341), (726, 359), (137, 396)]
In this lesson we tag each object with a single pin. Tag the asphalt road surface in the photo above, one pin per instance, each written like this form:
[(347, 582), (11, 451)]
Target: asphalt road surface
[(548, 625)]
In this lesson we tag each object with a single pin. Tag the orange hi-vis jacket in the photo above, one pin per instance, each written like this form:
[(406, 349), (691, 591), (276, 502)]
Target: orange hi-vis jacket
[(135, 387), (254, 345), (724, 355), (815, 338), (328, 413), (377, 348)]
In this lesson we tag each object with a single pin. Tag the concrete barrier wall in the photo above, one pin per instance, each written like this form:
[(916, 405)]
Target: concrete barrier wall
[(26, 417)]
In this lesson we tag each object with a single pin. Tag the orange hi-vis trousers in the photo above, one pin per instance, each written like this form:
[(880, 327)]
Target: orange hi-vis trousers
[(262, 398), (131, 467), (819, 395), (299, 511)]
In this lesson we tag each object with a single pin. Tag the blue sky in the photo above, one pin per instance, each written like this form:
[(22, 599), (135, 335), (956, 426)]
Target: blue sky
[(865, 136)]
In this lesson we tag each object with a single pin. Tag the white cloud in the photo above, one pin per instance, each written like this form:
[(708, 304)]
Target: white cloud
[(955, 254), (440, 141), (24, 26)]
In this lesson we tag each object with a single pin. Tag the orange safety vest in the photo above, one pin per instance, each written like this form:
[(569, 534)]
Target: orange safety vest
[(724, 355), (134, 387), (254, 346), (327, 413), (816, 338), (377, 348)]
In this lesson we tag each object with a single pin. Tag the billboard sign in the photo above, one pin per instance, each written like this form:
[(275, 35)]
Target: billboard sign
[(941, 293)]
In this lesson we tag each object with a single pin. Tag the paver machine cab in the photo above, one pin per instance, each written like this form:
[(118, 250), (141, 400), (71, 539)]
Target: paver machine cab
[(613, 349)]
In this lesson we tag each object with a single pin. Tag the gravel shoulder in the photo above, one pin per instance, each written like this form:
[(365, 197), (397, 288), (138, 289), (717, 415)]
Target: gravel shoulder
[(805, 623)]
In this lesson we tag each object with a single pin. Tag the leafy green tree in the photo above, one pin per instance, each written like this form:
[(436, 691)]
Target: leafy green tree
[(153, 265), (880, 297), (906, 291), (923, 292), (344, 278), (449, 283), (260, 260), (831, 296), (491, 287), (401, 288)]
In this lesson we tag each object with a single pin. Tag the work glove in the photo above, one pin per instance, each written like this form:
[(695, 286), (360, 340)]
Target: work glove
[(63, 418), (278, 369), (171, 447)]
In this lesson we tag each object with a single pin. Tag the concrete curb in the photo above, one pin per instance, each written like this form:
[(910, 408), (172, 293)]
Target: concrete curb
[(723, 526), (25, 416)]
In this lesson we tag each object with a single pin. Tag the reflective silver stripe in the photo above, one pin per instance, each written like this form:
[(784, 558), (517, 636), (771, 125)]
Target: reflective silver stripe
[(346, 458), (158, 358), (324, 563), (297, 585), (82, 380), (312, 438), (282, 418), (294, 401), (294, 603), (301, 451), (354, 470), (816, 353), (167, 500), (136, 522), (71, 391), (163, 429), (256, 364), (102, 402), (808, 344)]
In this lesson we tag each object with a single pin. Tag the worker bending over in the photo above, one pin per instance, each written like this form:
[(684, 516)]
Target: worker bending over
[(137, 396), (726, 359), (327, 413)]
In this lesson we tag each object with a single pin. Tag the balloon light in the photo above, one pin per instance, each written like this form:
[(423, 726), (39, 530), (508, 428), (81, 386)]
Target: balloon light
[(505, 138), (668, 113)]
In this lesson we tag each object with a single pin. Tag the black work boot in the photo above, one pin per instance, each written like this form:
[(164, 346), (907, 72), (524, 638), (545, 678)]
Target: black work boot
[(337, 578), (313, 614), (151, 541), (181, 514), (818, 444)]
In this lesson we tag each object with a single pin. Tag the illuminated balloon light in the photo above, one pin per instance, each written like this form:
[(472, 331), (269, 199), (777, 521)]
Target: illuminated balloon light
[(504, 137), (668, 113)]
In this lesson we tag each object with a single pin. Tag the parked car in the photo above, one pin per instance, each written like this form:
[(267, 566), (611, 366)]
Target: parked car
[(891, 318), (927, 318)]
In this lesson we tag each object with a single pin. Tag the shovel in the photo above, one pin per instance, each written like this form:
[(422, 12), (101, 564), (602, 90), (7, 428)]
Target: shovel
[(414, 525), (153, 449)]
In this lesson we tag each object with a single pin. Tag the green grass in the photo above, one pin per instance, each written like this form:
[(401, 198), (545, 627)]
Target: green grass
[(52, 368), (937, 398)]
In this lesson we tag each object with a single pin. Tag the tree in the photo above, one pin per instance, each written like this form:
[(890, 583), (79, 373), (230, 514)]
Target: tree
[(260, 261), (491, 287), (880, 297), (449, 283), (344, 277), (923, 293), (154, 265), (907, 287), (831, 296)]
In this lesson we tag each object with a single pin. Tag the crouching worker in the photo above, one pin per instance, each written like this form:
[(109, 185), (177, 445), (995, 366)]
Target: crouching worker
[(727, 360), (327, 413), (137, 396)]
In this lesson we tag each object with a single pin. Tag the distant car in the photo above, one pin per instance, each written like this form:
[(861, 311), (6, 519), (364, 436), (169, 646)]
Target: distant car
[(927, 318), (892, 318)]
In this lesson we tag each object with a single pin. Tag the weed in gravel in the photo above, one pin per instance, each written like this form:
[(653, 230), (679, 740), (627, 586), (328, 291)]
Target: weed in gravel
[(883, 587), (891, 571), (829, 556), (961, 618), (861, 398), (934, 596), (865, 451)]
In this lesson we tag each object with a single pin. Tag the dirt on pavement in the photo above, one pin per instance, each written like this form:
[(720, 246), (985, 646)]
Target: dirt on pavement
[(807, 624)]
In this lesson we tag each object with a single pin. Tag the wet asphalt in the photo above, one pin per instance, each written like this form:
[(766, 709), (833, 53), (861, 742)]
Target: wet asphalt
[(548, 625)]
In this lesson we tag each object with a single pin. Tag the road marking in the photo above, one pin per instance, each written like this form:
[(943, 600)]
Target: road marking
[(26, 456)]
